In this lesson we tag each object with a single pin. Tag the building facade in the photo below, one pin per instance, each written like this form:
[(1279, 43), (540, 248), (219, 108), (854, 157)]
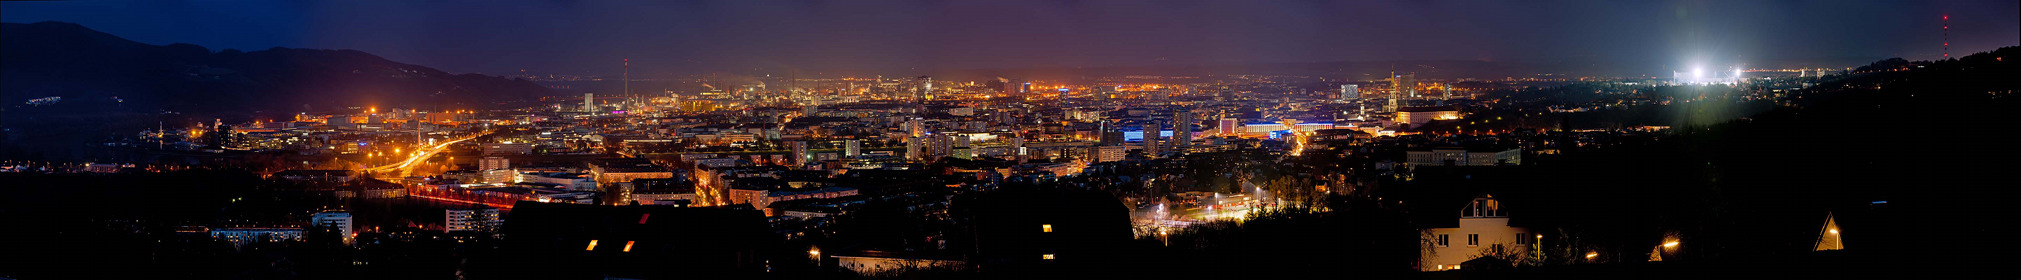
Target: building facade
[(1483, 230)]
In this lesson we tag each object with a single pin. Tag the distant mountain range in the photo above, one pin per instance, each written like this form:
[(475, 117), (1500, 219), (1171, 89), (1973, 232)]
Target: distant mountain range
[(79, 64)]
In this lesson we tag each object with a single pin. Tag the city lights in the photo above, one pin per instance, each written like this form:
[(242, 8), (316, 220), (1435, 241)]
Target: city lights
[(1144, 139)]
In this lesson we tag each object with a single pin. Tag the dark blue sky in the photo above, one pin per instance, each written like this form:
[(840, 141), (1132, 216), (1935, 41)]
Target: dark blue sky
[(588, 37)]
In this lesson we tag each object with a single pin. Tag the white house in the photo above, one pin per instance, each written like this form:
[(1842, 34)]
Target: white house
[(1483, 228)]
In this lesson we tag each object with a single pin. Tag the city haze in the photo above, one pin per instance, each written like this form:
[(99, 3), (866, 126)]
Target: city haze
[(914, 37)]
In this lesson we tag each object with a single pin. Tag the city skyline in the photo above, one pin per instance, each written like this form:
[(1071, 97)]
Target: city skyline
[(1185, 139)]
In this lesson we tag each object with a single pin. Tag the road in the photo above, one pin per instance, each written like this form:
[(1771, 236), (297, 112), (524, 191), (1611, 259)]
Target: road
[(419, 156)]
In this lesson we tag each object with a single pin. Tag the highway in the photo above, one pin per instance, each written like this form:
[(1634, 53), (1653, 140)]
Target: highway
[(419, 156)]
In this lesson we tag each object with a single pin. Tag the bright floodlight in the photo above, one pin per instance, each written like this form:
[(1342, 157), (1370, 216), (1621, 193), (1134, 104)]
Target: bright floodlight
[(1697, 73)]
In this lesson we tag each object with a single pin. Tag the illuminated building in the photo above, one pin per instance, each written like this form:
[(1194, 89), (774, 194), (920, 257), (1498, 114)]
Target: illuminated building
[(912, 149), (1456, 156), (1482, 227), (1417, 116), (1108, 153), (589, 102), (247, 235), (480, 219), (1350, 92), (800, 156), (1182, 130), (493, 163), (337, 221), (1227, 127), (852, 148), (607, 172), (1151, 135)]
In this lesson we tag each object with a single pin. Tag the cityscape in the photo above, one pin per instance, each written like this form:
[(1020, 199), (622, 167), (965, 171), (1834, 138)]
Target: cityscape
[(954, 140)]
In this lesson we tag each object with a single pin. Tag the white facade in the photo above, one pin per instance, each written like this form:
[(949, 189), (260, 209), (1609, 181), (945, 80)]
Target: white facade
[(1483, 229), (339, 220)]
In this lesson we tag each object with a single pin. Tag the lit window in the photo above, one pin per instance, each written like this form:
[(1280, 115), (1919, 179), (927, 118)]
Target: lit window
[(628, 246), (1046, 256), (1046, 227), (592, 245)]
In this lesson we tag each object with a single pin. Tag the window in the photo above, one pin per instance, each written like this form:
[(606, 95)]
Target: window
[(1046, 227), (592, 245), (1441, 240), (628, 246), (1524, 238), (1473, 239), (1046, 256), (1483, 208)]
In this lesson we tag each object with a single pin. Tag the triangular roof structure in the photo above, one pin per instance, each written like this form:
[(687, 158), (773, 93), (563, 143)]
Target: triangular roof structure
[(1828, 237)]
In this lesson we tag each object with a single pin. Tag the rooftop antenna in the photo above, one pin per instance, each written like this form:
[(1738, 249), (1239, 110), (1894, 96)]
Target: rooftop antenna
[(1947, 36)]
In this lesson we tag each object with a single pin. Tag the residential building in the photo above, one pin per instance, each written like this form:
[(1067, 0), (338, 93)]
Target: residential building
[(335, 220), (1482, 229), (1457, 156), (479, 219)]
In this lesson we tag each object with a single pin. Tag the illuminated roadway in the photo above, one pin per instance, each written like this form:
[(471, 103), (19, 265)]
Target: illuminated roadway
[(407, 166)]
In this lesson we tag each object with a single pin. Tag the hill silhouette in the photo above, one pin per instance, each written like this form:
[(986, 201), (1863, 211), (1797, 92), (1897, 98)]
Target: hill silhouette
[(84, 65)]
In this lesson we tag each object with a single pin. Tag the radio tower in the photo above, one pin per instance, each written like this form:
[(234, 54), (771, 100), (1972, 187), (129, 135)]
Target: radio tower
[(1947, 36), (628, 77)]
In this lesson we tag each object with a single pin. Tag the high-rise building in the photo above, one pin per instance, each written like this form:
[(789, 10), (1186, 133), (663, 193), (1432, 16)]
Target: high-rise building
[(335, 220), (1182, 130), (1447, 91), (852, 148), (916, 127), (1151, 138), (1401, 86), (1009, 87), (589, 102), (912, 148), (1350, 92), (939, 146), (800, 156), (1106, 134)]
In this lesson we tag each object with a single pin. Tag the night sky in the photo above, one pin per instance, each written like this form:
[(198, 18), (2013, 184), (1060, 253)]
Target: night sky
[(588, 37)]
